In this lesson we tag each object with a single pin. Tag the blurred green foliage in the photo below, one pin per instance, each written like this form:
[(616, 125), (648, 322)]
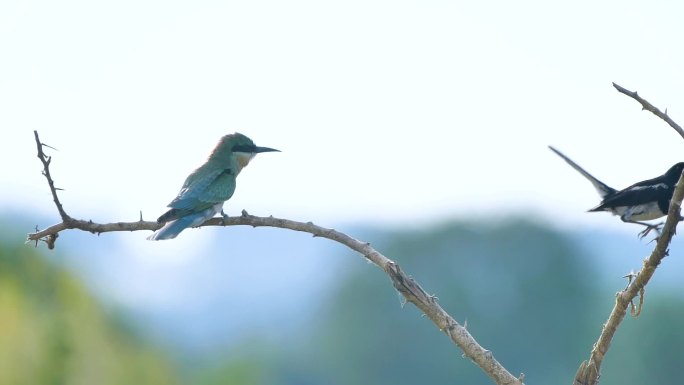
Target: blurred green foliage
[(53, 332)]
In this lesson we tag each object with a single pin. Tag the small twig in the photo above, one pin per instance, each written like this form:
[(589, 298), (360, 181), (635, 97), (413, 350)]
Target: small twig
[(645, 105), (45, 160), (407, 286)]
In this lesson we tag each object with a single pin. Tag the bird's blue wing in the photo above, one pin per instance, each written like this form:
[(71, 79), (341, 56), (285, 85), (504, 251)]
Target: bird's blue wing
[(221, 189), (204, 189)]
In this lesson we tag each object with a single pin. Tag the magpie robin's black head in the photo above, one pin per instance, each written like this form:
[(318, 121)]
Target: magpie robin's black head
[(674, 172)]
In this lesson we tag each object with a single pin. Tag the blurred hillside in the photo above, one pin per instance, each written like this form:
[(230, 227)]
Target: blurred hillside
[(284, 308), (53, 332)]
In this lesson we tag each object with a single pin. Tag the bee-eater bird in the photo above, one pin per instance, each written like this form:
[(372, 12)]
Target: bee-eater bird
[(642, 201), (208, 187)]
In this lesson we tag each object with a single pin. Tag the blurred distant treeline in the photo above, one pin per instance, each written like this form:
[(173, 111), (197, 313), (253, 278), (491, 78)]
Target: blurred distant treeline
[(524, 290)]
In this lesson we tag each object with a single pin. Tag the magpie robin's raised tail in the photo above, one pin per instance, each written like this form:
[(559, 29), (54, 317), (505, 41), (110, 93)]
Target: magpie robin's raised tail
[(602, 188), (642, 201)]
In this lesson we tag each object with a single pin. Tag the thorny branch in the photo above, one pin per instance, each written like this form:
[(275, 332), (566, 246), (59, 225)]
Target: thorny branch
[(645, 105), (589, 371), (406, 285)]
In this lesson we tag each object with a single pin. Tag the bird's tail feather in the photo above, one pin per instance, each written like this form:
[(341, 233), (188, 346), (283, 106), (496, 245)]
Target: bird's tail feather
[(172, 229), (602, 188)]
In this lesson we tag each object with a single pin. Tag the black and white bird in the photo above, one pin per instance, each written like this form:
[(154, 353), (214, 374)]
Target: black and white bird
[(642, 201)]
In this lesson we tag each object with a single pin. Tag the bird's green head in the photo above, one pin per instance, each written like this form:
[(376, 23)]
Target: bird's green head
[(240, 146)]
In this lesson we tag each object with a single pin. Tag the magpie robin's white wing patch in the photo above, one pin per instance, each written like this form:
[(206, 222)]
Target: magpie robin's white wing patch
[(649, 200), (656, 186)]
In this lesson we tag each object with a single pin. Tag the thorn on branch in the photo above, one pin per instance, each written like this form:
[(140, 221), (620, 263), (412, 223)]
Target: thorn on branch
[(630, 277), (48, 146), (36, 230)]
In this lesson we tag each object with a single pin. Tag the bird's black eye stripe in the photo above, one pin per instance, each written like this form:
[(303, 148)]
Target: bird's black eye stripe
[(228, 171), (243, 148)]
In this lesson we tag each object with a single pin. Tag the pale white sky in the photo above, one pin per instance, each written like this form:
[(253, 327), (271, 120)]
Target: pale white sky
[(385, 111)]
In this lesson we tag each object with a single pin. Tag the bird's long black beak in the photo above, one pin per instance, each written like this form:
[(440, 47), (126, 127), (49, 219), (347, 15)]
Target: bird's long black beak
[(251, 149), (258, 149)]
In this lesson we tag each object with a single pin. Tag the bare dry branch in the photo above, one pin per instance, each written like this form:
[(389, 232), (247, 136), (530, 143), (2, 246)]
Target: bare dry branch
[(645, 105), (406, 285)]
